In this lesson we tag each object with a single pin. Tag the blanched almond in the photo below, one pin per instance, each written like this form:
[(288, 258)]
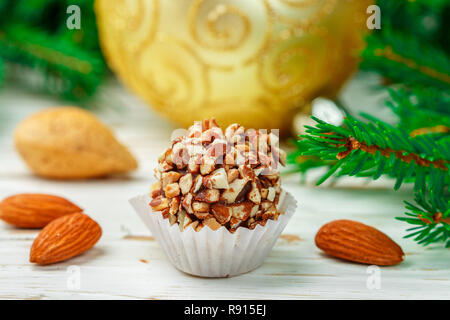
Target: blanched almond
[(185, 183), (169, 177), (187, 202), (198, 206), (197, 183), (232, 175), (172, 190), (212, 223), (271, 194), (235, 222), (264, 193), (207, 165), (221, 212), (234, 189), (174, 205), (254, 195), (242, 210), (193, 165), (217, 179), (208, 195), (164, 167)]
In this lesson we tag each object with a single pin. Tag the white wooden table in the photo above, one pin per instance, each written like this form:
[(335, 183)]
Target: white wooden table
[(128, 264)]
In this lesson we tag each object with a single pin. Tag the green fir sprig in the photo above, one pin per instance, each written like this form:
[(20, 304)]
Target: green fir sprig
[(403, 58), (34, 38), (412, 54), (375, 148)]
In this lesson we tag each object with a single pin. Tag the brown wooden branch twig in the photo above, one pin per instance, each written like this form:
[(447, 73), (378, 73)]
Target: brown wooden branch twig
[(353, 144)]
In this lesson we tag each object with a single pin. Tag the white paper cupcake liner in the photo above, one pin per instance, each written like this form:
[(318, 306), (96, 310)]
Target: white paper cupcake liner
[(219, 253)]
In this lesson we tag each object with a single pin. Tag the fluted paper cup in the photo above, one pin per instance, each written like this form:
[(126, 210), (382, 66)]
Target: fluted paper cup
[(209, 253)]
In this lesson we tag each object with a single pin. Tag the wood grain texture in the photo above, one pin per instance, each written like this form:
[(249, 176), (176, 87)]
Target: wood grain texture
[(128, 264)]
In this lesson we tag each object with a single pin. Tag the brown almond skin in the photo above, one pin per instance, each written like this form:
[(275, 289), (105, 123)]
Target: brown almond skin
[(357, 242), (34, 210), (65, 238)]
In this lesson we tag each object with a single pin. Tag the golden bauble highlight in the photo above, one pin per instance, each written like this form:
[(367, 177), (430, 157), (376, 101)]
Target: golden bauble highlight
[(256, 62)]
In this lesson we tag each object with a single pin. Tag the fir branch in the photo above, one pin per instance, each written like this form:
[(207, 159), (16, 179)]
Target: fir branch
[(376, 148), (404, 59), (421, 111), (297, 162), (79, 72), (2, 72), (431, 221)]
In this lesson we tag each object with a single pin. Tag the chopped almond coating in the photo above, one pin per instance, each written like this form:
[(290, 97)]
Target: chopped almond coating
[(193, 166), (273, 139), (174, 205), (172, 219), (212, 178), (246, 172), (258, 171), (187, 203), (185, 183), (159, 203), (271, 194), (164, 167), (280, 154), (217, 179), (172, 190), (180, 155), (230, 158), (232, 175), (254, 195), (259, 222), (198, 206), (186, 221), (208, 195), (155, 189), (264, 193), (203, 215), (207, 165), (235, 222), (165, 213), (199, 226), (221, 213), (230, 194), (254, 211), (169, 177), (197, 184), (211, 135), (212, 223), (241, 211), (194, 225)]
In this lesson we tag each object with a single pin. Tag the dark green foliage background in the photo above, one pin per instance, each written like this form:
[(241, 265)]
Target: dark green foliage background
[(34, 36)]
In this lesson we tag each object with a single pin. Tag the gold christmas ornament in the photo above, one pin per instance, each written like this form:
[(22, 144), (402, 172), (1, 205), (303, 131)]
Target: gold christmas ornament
[(256, 62)]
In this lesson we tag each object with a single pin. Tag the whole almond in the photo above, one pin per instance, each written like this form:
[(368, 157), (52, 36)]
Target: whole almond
[(34, 210), (355, 241), (64, 238), (70, 143)]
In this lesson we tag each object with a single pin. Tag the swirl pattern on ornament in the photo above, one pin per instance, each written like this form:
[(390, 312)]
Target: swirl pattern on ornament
[(230, 27), (251, 61), (283, 69), (179, 78)]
